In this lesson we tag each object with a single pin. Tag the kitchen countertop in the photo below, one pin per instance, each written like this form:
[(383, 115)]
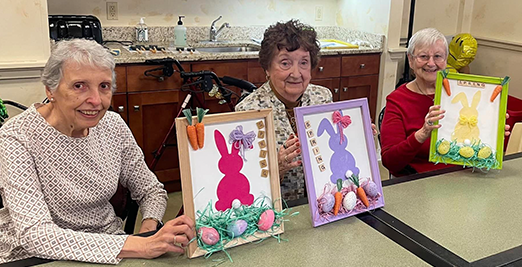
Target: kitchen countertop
[(127, 56)]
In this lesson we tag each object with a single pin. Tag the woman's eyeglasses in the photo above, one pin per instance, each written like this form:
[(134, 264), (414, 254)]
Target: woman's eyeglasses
[(426, 58)]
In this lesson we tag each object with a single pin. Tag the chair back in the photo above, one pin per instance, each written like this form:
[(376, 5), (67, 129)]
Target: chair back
[(125, 208), (515, 139)]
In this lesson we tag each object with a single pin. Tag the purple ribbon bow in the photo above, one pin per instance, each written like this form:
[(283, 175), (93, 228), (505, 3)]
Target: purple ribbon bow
[(242, 141)]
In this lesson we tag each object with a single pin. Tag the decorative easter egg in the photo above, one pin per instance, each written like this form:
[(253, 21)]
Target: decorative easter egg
[(348, 174), (467, 142), (349, 200), (466, 151), (328, 202), (209, 235), (484, 152), (371, 189), (236, 203), (363, 180), (237, 228), (266, 220), (444, 147)]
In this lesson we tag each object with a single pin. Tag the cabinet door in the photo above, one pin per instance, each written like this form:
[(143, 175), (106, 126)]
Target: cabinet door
[(151, 114), (121, 79), (256, 74), (360, 64), (332, 84), (360, 87), (119, 104), (137, 81), (235, 69), (328, 67)]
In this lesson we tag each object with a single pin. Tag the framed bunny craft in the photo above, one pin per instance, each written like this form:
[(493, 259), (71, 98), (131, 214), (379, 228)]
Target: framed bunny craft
[(472, 131), (230, 179), (339, 160)]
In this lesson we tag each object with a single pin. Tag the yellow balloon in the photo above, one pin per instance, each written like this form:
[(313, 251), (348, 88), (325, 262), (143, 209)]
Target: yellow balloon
[(462, 51)]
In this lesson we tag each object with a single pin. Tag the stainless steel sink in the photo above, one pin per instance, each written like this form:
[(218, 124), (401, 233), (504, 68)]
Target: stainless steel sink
[(227, 49)]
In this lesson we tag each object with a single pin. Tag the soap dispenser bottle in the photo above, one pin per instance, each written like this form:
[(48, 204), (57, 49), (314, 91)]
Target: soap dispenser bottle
[(142, 34), (180, 34)]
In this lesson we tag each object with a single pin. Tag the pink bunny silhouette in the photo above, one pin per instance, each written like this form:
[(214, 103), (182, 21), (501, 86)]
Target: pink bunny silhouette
[(234, 184)]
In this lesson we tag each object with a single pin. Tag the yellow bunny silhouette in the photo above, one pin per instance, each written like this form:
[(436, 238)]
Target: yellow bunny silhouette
[(466, 127)]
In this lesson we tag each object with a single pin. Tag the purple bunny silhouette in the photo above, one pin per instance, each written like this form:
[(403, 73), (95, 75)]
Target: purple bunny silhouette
[(341, 160)]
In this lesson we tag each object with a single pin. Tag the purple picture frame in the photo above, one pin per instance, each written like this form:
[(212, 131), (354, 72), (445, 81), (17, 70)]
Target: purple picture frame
[(363, 156)]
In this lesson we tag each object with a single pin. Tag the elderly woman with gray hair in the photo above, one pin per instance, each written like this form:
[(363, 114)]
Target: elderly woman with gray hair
[(410, 112), (60, 164)]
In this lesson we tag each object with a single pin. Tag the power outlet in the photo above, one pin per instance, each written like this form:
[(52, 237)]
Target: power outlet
[(112, 10), (319, 13)]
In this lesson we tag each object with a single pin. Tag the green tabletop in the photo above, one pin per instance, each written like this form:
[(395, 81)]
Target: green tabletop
[(349, 242), (472, 214)]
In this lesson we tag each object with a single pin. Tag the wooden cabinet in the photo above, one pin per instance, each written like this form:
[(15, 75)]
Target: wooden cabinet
[(151, 115), (119, 105), (149, 105), (236, 69), (360, 78), (360, 87), (348, 77)]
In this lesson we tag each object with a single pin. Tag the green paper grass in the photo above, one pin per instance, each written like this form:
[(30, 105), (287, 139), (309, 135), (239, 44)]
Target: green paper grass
[(473, 161), (220, 220)]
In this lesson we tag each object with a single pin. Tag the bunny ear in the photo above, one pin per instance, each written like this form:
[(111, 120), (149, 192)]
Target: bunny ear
[(462, 98), (220, 143), (325, 125), (476, 99)]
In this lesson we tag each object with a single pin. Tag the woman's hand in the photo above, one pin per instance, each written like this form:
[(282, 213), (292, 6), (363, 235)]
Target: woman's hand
[(434, 114), (174, 236), (287, 153)]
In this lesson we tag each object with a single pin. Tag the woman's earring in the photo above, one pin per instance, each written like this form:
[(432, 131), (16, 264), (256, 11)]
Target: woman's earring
[(51, 99)]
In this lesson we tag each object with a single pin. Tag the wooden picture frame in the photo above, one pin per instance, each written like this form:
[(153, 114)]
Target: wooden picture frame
[(202, 184), (326, 158), (472, 130)]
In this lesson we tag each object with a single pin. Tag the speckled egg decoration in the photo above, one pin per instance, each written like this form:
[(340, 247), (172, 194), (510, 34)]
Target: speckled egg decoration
[(329, 202), (209, 235), (237, 228), (371, 189), (349, 201), (466, 151), (444, 147), (266, 220), (484, 152)]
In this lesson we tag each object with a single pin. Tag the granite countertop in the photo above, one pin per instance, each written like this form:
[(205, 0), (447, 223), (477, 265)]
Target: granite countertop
[(235, 36), (127, 56)]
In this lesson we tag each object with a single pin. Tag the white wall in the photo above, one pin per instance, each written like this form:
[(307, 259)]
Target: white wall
[(201, 13), (23, 51), (496, 25), (368, 16)]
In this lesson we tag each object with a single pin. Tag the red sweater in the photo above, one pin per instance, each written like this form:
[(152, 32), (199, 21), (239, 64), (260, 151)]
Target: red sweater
[(404, 115)]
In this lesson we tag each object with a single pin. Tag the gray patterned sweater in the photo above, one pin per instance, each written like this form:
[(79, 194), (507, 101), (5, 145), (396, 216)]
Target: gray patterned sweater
[(56, 189), (293, 184)]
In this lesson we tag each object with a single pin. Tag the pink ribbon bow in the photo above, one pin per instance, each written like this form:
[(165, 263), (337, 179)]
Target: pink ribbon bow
[(342, 122)]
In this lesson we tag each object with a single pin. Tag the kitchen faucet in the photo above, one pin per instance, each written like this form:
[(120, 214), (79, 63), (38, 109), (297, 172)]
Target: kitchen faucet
[(215, 33)]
